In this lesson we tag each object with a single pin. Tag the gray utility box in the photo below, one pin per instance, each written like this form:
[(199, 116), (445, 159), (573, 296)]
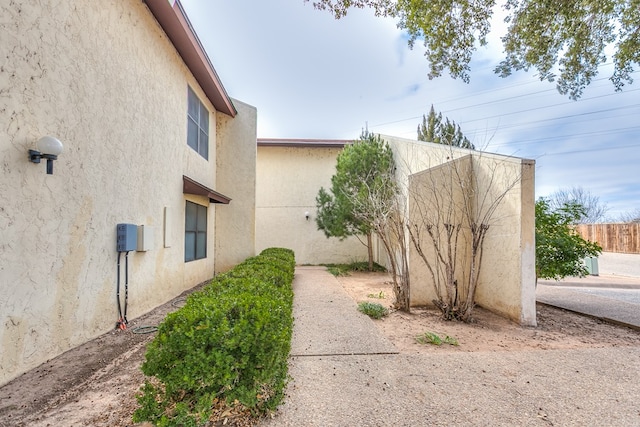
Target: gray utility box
[(592, 265), (127, 237)]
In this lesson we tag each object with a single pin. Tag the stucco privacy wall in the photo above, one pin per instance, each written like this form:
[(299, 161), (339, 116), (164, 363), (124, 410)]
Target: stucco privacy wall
[(110, 85), (437, 198), (507, 277), (236, 177), (288, 181), (507, 281), (412, 157)]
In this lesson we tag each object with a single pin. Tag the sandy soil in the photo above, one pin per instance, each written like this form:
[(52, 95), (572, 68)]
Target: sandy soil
[(95, 384), (557, 329)]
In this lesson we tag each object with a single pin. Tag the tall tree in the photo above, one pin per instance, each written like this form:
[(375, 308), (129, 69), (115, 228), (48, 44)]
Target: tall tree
[(364, 167), (380, 204), (593, 210), (559, 248), (448, 132), (564, 41)]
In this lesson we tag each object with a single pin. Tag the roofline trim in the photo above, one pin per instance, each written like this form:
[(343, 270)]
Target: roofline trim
[(312, 143), (190, 186), (174, 22)]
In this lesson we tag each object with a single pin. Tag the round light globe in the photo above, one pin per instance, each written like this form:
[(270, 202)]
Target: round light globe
[(49, 145)]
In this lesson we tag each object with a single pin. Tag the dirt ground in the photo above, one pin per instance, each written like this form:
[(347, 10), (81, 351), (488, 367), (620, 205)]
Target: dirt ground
[(557, 329), (95, 384)]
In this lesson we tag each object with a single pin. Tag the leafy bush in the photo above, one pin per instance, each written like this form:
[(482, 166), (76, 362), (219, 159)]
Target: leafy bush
[(560, 250), (364, 266), (374, 310), (338, 270), (230, 342), (344, 269)]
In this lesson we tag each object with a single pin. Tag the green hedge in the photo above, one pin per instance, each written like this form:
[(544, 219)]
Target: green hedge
[(229, 342)]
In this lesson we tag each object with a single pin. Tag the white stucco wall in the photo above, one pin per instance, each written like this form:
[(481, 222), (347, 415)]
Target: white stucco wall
[(437, 196), (108, 83), (288, 181), (507, 276), (236, 178)]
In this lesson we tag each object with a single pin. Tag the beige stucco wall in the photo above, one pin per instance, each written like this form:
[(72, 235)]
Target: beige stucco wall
[(288, 181), (438, 196), (236, 178), (413, 157), (507, 276), (107, 82)]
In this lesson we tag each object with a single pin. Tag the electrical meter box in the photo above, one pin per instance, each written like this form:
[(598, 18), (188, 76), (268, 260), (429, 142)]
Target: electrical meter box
[(145, 238), (127, 237)]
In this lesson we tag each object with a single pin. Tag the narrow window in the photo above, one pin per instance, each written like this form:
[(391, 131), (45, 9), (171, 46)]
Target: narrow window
[(197, 125), (195, 232)]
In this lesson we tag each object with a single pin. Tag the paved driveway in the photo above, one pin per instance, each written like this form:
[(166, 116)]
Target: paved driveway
[(608, 297)]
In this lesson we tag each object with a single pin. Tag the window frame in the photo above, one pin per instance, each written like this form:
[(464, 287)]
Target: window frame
[(195, 231), (197, 124)]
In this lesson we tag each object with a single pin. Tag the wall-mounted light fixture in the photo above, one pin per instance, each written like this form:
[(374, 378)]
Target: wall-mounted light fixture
[(306, 215), (48, 148)]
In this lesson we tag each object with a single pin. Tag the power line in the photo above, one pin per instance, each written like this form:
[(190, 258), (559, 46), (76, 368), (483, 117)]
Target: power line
[(561, 153), (540, 108), (508, 113), (500, 100), (584, 114), (599, 132), (521, 124), (494, 90)]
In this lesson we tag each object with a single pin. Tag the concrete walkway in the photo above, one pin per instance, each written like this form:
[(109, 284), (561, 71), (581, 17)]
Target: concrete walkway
[(322, 309), (345, 374)]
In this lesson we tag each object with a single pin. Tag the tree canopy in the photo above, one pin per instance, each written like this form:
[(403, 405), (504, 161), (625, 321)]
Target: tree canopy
[(564, 40), (559, 248), (433, 129)]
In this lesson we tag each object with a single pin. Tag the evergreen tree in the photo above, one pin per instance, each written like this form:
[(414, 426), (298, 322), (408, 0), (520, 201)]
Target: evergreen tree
[(433, 129), (364, 169)]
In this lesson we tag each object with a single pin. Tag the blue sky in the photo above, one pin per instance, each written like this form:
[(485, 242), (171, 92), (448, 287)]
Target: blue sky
[(311, 76)]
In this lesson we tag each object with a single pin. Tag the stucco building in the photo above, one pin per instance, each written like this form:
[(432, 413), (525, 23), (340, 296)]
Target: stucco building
[(151, 138), (447, 186), (289, 174), (291, 171)]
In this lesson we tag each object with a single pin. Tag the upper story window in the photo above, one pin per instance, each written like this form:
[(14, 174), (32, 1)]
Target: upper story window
[(198, 125)]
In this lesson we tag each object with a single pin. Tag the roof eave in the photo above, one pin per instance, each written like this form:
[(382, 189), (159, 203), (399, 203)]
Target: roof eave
[(174, 22), (312, 143), (191, 186)]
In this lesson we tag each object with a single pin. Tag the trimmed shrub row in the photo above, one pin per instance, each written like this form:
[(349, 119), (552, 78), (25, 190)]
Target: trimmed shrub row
[(229, 342)]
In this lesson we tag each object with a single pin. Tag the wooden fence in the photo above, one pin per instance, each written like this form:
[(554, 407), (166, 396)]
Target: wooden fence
[(621, 238)]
